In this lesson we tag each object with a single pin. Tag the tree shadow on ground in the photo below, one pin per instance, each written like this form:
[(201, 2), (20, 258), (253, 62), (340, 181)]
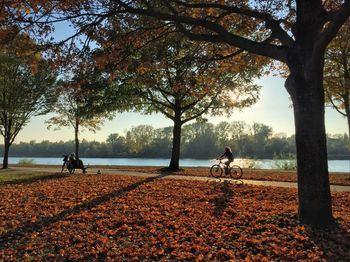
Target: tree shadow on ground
[(18, 233), (172, 171), (34, 179), (334, 241), (221, 202)]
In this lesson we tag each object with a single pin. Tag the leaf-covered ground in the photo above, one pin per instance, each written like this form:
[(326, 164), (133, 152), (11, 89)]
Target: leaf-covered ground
[(255, 174), (108, 217)]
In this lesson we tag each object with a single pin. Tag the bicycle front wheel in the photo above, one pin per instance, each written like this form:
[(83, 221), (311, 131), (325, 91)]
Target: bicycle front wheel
[(216, 171), (236, 172)]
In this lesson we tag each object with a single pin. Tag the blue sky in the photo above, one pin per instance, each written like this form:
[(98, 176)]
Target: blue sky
[(273, 109)]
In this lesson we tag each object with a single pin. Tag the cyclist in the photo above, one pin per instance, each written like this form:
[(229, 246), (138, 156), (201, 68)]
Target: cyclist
[(229, 156)]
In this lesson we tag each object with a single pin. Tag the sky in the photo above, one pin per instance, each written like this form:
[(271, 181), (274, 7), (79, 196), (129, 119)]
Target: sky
[(273, 109)]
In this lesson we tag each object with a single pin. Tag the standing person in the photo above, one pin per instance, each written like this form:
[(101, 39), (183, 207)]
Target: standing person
[(65, 160), (71, 157), (229, 156)]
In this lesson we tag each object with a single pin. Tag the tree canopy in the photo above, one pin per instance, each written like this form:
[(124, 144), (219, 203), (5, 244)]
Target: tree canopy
[(27, 87), (337, 74)]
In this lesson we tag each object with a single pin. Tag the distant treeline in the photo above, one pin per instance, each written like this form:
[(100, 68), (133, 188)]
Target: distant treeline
[(200, 140)]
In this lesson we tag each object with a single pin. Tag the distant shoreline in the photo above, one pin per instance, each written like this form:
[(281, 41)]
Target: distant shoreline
[(330, 157)]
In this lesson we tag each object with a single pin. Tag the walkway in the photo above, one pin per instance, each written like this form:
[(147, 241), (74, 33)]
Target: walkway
[(334, 188)]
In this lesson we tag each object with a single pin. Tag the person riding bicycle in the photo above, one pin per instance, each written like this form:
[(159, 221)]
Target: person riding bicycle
[(229, 156)]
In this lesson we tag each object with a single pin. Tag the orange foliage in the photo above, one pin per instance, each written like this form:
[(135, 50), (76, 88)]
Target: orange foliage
[(106, 217)]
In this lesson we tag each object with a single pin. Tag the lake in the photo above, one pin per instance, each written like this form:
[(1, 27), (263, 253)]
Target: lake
[(333, 165)]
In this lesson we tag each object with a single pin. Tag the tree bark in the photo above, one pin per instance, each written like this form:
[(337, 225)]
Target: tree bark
[(305, 59), (347, 113), (76, 136), (306, 89), (6, 153), (175, 153)]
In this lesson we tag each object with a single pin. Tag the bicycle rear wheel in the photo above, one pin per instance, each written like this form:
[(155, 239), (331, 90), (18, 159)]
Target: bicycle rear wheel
[(216, 171), (236, 172)]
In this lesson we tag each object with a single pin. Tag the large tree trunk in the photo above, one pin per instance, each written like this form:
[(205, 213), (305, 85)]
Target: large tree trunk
[(175, 153), (305, 60), (6, 153), (76, 136), (347, 113), (306, 90)]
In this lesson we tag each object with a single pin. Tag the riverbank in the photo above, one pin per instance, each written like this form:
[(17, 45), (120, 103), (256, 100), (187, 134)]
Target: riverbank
[(333, 165)]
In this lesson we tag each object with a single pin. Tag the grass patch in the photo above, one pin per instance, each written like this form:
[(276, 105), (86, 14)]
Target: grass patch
[(26, 161), (13, 176), (285, 162)]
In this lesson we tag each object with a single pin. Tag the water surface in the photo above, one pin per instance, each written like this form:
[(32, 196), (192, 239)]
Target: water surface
[(333, 165)]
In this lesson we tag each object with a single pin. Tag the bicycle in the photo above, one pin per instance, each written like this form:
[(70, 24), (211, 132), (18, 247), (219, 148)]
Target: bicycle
[(217, 170)]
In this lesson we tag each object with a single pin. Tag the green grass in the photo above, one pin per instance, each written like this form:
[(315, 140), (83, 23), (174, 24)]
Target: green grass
[(12, 175), (26, 161)]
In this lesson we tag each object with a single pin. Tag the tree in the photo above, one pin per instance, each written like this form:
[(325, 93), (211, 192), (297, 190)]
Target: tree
[(76, 106), (27, 86), (232, 134), (337, 74), (223, 131), (173, 77), (200, 140), (139, 137), (260, 133)]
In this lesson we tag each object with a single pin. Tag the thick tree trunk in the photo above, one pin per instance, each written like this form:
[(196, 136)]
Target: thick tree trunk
[(348, 119), (6, 154), (347, 112), (76, 135), (175, 153), (305, 60), (306, 90)]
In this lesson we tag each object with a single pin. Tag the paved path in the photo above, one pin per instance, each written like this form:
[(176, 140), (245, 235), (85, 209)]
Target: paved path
[(334, 188)]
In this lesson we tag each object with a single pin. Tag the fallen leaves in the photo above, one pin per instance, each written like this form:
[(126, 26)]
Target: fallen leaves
[(109, 217)]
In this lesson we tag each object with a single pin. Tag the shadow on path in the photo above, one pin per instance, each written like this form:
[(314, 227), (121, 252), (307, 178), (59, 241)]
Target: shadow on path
[(18, 233), (222, 202)]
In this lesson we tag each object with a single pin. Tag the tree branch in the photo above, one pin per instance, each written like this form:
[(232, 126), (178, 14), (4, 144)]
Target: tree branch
[(335, 22), (220, 34), (334, 105)]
